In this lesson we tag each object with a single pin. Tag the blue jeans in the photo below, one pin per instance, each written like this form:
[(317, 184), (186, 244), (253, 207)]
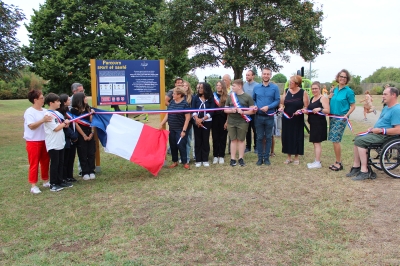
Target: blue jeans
[(174, 136), (264, 126), (189, 134)]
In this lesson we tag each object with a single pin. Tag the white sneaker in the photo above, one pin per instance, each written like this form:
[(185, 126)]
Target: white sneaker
[(314, 165), (86, 177), (206, 164), (198, 164), (92, 176), (35, 190), (215, 160), (221, 160), (47, 184)]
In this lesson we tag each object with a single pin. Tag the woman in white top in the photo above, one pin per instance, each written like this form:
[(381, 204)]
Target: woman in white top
[(34, 134)]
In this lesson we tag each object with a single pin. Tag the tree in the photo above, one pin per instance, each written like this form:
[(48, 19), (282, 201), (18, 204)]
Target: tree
[(355, 84), (241, 34), (65, 35), (314, 74), (11, 59), (384, 75), (213, 79), (279, 78), (193, 80)]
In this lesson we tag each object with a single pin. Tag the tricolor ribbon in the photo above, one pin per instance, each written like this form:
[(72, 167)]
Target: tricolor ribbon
[(290, 117), (79, 119), (216, 99), (342, 117), (236, 103), (364, 133), (317, 113), (54, 114)]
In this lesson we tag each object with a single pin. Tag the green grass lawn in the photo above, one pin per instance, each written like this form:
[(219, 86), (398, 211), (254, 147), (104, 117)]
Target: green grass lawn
[(277, 215)]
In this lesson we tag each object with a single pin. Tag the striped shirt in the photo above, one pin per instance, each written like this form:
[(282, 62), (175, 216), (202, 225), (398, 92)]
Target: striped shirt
[(176, 121)]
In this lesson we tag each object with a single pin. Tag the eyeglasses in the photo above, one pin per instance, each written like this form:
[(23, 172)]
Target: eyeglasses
[(343, 77)]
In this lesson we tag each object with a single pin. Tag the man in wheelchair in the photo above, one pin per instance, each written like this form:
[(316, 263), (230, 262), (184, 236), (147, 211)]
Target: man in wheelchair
[(387, 125)]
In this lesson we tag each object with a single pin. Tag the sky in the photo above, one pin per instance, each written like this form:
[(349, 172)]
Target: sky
[(363, 36)]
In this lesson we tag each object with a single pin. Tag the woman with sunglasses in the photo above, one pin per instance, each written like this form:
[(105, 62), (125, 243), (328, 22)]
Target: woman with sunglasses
[(342, 104)]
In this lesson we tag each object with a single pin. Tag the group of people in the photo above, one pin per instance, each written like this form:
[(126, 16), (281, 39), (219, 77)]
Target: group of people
[(252, 106), (52, 141)]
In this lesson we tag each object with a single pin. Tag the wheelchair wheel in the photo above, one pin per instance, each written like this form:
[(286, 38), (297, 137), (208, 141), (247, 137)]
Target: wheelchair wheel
[(390, 158), (374, 157)]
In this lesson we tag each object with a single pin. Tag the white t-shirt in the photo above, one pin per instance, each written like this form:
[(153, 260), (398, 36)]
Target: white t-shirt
[(54, 140), (31, 116)]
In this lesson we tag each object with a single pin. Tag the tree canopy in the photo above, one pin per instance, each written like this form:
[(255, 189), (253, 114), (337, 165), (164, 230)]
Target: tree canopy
[(384, 75), (11, 58), (241, 34), (65, 35), (279, 78)]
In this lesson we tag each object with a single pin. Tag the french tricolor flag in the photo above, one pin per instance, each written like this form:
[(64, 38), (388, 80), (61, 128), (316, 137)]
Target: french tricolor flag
[(132, 140)]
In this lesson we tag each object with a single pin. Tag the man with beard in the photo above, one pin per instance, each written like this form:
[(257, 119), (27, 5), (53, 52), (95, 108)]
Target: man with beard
[(266, 99), (248, 88), (387, 126)]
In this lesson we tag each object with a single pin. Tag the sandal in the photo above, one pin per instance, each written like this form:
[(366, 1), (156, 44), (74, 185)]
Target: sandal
[(333, 167), (287, 161), (296, 162)]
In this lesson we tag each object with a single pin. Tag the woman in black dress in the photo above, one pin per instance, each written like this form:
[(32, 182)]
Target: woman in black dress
[(219, 125), (293, 101), (318, 125)]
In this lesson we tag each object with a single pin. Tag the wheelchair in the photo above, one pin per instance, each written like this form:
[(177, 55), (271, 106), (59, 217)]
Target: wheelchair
[(385, 157)]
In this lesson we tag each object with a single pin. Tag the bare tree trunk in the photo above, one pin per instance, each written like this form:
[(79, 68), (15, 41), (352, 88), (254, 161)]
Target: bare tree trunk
[(238, 72)]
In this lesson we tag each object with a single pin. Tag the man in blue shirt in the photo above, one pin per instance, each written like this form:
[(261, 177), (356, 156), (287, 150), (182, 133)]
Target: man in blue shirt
[(266, 99), (387, 125), (248, 88)]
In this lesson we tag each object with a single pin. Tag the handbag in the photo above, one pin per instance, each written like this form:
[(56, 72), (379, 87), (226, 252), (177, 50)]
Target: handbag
[(279, 116), (279, 120)]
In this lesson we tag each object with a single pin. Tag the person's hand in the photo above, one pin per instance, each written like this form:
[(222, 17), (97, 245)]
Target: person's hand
[(198, 120), (47, 118), (183, 134), (66, 121), (255, 108), (92, 111), (315, 110), (304, 111), (264, 109), (225, 125), (281, 109), (239, 111)]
